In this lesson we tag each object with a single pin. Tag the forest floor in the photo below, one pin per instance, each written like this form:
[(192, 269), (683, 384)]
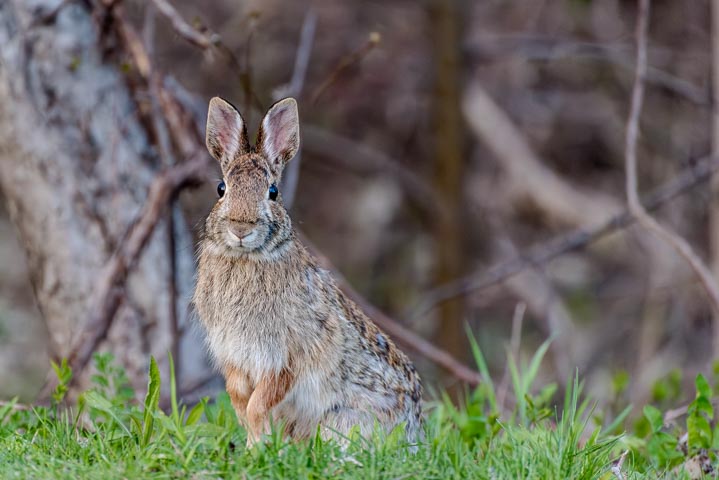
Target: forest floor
[(107, 435)]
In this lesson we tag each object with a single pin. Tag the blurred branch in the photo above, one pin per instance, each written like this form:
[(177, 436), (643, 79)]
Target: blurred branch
[(346, 62), (396, 330), (207, 42), (14, 405), (530, 177), (304, 51), (302, 59), (539, 47), (680, 245), (184, 29), (546, 251), (617, 467)]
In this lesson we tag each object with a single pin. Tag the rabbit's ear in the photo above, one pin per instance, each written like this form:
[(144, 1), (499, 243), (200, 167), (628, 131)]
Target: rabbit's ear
[(226, 135), (279, 136)]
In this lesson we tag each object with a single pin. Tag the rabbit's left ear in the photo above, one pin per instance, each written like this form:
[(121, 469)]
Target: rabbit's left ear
[(279, 136)]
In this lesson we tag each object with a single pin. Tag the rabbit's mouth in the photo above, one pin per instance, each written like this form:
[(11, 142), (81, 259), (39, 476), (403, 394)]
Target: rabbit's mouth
[(254, 239)]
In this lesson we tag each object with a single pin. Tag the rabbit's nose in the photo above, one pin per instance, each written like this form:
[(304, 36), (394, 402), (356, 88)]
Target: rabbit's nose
[(240, 229)]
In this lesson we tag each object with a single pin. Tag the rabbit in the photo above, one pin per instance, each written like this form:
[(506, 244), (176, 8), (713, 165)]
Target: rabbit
[(291, 346)]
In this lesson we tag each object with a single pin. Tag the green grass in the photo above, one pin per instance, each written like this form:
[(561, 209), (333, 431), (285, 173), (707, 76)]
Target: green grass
[(106, 435)]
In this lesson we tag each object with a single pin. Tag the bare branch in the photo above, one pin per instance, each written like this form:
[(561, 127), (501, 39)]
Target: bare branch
[(294, 89), (617, 468), (304, 51), (184, 29), (346, 62), (208, 41), (528, 174), (680, 245), (546, 251), (549, 48), (13, 405)]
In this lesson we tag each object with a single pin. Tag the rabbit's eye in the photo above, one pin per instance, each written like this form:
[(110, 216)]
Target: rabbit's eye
[(221, 189), (273, 192)]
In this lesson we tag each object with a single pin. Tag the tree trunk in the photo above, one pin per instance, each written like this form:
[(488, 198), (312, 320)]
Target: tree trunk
[(448, 128), (75, 166)]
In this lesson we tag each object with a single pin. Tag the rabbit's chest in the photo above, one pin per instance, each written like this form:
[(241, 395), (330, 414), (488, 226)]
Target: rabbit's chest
[(257, 326)]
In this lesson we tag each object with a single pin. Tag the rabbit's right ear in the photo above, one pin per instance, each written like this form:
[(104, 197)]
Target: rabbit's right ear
[(226, 134)]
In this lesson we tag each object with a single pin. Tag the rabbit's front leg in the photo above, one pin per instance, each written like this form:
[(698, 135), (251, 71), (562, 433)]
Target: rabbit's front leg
[(269, 392), (239, 388)]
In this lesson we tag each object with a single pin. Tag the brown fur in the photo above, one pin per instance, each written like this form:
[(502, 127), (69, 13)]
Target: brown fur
[(291, 345)]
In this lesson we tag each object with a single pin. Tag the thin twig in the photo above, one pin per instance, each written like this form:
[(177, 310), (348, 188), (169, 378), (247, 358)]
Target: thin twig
[(291, 175), (617, 468), (673, 414), (346, 62), (396, 330), (184, 29), (207, 41), (304, 51), (14, 405), (551, 48), (680, 245), (579, 238)]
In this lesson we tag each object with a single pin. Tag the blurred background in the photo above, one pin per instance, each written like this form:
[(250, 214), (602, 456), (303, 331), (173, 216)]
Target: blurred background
[(441, 138)]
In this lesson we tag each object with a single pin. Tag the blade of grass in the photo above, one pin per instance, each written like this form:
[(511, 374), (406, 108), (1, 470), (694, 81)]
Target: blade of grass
[(482, 366), (152, 400)]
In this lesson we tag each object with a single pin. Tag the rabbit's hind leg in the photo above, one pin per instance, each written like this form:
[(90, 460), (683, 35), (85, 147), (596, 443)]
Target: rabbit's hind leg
[(339, 421)]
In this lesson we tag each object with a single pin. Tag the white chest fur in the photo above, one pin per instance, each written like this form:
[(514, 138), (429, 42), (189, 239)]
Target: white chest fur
[(262, 319)]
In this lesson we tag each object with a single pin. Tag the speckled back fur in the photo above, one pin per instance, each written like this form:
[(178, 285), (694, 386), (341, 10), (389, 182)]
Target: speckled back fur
[(292, 347)]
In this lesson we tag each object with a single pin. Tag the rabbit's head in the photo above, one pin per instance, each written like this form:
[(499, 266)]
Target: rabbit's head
[(249, 217)]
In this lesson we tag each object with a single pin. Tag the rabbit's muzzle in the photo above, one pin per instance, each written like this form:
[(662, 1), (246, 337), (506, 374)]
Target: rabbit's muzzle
[(240, 229), (244, 235)]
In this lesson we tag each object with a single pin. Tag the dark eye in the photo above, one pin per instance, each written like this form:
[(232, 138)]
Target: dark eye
[(273, 192), (221, 189)]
